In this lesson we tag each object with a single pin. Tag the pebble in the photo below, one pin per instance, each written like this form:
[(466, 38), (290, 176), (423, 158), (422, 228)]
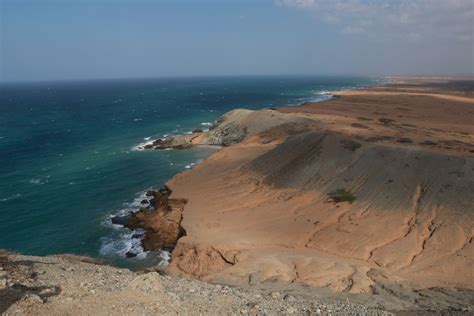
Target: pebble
[(291, 310), (33, 298), (289, 298)]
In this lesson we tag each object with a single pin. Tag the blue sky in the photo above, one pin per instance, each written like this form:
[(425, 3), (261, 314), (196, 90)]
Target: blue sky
[(66, 39)]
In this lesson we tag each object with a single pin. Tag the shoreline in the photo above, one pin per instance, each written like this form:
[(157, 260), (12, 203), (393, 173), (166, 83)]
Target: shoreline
[(256, 186), (136, 236), (365, 198)]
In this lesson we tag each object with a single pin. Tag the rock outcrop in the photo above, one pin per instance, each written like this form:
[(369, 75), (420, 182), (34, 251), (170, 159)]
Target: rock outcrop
[(161, 221), (231, 128)]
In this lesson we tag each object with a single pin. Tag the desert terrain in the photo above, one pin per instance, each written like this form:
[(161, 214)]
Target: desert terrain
[(365, 199), (369, 195)]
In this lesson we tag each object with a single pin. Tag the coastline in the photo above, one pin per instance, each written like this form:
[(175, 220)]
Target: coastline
[(230, 237), (364, 198), (190, 139)]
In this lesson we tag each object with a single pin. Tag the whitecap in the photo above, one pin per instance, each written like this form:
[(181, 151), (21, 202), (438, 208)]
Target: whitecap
[(121, 241), (141, 146), (15, 196), (191, 165), (166, 258), (206, 123), (119, 245), (35, 181), (324, 92), (137, 119)]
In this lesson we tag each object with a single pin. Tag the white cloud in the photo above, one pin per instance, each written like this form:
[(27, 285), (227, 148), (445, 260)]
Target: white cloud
[(410, 19)]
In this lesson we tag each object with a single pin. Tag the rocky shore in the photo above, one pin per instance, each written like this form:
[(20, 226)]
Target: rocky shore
[(157, 224)]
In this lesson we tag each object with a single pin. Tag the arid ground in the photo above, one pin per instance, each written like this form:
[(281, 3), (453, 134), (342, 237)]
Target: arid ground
[(367, 198)]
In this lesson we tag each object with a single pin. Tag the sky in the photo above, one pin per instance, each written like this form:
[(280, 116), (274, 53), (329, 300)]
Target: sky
[(88, 39)]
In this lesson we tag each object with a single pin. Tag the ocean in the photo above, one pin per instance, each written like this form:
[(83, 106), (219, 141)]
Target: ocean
[(69, 158)]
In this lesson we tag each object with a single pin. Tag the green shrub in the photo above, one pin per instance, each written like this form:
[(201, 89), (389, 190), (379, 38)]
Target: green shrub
[(341, 195)]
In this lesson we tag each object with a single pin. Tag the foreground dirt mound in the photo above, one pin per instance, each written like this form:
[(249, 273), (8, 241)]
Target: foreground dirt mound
[(70, 285), (369, 211)]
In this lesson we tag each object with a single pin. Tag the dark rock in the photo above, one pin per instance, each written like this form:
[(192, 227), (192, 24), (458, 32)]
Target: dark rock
[(178, 142), (197, 130), (144, 202), (121, 219), (137, 235), (130, 254)]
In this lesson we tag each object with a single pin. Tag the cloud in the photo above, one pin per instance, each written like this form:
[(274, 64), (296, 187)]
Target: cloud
[(410, 19)]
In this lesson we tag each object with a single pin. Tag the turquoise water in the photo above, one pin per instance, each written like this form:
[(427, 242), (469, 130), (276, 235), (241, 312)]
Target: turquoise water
[(66, 150)]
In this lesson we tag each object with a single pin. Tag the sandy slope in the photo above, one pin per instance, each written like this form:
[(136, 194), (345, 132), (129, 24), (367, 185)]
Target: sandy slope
[(260, 212)]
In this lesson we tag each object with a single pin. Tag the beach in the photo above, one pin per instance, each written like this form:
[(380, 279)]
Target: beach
[(365, 198)]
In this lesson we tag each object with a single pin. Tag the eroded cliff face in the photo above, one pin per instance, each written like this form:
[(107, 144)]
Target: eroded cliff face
[(161, 221)]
